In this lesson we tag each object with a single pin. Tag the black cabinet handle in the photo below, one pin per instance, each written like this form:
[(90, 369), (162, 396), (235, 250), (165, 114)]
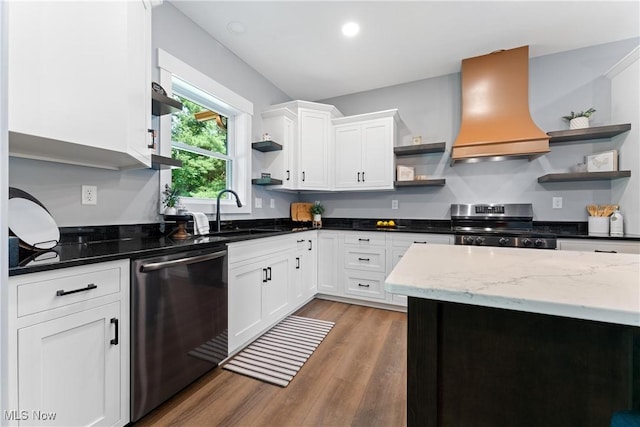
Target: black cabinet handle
[(363, 259), (363, 240), (115, 340), (288, 175), (363, 286), (303, 176), (268, 273), (358, 176), (297, 263), (362, 176), (62, 292), (264, 275), (606, 252), (422, 243), (300, 241), (310, 245)]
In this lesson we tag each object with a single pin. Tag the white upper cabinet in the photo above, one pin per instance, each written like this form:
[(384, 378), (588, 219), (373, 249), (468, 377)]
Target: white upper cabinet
[(306, 160), (79, 82), (364, 151)]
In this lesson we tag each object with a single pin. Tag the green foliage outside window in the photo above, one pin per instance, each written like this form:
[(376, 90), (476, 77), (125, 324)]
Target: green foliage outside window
[(201, 176)]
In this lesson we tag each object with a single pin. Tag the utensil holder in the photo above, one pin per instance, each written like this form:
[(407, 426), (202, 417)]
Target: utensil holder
[(598, 226)]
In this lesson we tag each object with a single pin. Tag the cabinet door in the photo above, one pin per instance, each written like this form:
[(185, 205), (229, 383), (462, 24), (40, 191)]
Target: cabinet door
[(79, 91), (245, 303), (328, 249), (377, 154), (313, 144), (69, 367), (348, 152), (275, 291), (310, 268)]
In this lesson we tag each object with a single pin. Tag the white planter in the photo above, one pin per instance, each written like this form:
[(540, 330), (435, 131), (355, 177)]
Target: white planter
[(170, 211), (317, 217), (579, 123)]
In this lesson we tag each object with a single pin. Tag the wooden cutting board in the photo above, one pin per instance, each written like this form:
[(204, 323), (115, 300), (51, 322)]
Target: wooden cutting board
[(300, 212)]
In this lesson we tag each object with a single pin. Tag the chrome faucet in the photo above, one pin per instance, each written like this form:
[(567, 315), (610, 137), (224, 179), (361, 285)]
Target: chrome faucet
[(238, 202)]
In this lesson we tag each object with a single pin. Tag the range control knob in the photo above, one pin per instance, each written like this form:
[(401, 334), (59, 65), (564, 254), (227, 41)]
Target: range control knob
[(468, 240), (527, 242), (539, 243), (503, 241), (479, 240)]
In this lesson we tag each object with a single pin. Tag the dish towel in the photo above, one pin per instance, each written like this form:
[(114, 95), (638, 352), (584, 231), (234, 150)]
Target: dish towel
[(200, 223)]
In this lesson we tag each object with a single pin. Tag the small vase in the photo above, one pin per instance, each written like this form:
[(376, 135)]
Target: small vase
[(579, 123), (317, 217), (170, 210)]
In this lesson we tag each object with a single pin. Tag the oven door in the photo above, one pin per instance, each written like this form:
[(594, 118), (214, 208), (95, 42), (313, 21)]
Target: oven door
[(179, 323)]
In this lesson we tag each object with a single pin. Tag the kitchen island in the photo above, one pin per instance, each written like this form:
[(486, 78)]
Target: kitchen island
[(500, 336)]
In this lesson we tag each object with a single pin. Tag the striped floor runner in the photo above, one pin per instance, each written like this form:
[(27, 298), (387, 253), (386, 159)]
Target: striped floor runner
[(277, 356)]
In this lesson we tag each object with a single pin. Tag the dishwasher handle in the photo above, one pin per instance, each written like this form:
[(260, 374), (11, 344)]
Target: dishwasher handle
[(145, 268)]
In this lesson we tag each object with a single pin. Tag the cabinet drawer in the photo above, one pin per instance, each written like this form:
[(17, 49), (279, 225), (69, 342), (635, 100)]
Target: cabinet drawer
[(370, 285), (69, 287), (364, 239), (370, 259), (594, 245), (406, 240)]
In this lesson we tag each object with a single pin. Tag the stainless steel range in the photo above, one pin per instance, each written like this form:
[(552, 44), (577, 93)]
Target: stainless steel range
[(508, 225)]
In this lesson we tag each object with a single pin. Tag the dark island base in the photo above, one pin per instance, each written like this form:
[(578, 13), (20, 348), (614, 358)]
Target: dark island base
[(477, 366)]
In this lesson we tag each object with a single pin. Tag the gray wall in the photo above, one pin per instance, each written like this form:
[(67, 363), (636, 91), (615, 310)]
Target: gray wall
[(431, 108), (131, 197)]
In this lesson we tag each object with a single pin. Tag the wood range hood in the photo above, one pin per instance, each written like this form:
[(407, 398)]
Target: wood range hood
[(496, 122)]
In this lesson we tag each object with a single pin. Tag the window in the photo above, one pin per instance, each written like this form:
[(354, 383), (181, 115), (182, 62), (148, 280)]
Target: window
[(199, 138), (211, 135)]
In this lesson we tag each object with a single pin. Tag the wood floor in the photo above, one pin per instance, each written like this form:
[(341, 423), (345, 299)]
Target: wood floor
[(356, 377)]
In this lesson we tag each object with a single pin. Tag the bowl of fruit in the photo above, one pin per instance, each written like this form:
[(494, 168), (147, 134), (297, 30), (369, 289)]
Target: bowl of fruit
[(386, 224)]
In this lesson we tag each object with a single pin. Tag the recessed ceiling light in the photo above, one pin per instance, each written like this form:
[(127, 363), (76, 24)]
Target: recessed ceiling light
[(350, 29), (235, 27)]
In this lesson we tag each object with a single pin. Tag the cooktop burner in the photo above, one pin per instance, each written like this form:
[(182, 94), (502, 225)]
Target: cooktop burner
[(508, 225)]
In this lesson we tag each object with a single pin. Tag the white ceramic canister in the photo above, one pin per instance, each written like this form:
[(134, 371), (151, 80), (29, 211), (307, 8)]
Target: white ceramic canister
[(598, 226), (616, 227)]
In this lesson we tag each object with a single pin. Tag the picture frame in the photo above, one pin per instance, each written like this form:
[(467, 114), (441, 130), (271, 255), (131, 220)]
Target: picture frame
[(405, 173), (606, 161)]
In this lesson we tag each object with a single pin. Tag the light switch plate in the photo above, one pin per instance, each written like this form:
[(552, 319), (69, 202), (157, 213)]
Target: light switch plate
[(272, 203), (258, 203), (394, 204)]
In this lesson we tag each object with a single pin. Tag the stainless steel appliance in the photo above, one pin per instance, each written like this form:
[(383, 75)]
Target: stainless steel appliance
[(178, 323), (508, 225)]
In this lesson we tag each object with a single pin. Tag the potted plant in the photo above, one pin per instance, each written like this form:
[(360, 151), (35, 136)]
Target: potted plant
[(316, 210), (171, 198), (579, 120)]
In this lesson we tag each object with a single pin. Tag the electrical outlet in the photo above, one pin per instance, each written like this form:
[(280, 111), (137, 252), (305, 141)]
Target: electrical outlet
[(272, 203), (89, 195), (258, 203), (394, 204), (557, 203)]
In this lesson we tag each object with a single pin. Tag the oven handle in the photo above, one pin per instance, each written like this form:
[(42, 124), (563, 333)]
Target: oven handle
[(181, 261)]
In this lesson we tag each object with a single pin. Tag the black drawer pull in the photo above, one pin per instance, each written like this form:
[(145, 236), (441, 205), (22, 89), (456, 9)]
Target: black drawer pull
[(358, 176), (422, 243), (300, 241), (268, 273), (363, 286), (606, 252), (310, 244), (115, 340), (362, 176), (62, 292), (364, 259), (264, 275), (297, 263), (363, 240), (303, 176), (288, 175)]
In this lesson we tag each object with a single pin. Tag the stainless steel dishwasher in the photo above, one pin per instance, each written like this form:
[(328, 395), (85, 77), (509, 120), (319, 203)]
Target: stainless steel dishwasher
[(178, 322)]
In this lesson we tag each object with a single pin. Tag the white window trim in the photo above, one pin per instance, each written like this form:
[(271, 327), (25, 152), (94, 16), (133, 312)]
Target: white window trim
[(241, 128)]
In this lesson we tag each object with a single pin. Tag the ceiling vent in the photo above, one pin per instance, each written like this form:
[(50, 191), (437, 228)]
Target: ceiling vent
[(496, 123)]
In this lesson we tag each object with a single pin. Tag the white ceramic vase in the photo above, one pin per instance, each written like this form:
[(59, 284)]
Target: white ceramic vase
[(170, 210), (579, 123), (317, 217)]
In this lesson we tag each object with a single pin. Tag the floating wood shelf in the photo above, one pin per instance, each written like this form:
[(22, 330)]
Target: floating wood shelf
[(162, 162), (599, 132), (266, 181), (410, 150), (266, 146), (421, 183), (584, 176), (162, 104)]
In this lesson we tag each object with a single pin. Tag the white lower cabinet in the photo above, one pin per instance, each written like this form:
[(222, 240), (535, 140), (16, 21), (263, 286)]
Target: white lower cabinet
[(328, 251), (268, 279), (71, 367), (597, 245)]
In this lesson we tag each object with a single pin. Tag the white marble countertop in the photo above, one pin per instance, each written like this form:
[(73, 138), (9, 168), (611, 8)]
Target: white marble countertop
[(583, 285)]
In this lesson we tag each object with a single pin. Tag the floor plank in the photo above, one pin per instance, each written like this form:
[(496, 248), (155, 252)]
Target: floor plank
[(356, 377)]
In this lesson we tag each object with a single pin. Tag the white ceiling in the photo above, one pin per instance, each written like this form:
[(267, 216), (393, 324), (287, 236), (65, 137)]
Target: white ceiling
[(299, 47)]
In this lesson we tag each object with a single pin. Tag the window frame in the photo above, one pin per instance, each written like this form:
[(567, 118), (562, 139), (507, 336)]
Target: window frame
[(240, 112)]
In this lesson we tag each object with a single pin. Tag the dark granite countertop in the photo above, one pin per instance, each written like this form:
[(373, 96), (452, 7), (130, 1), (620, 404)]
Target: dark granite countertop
[(93, 244)]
